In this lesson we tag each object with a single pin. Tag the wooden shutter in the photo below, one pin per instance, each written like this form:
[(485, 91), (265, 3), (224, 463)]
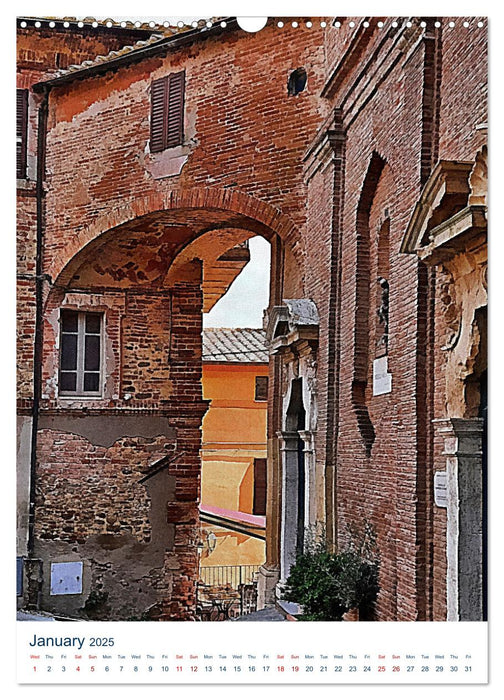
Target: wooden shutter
[(261, 388), (21, 131), (167, 112), (158, 112), (260, 486), (175, 120)]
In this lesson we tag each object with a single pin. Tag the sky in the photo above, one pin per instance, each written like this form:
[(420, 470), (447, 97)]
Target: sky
[(243, 304)]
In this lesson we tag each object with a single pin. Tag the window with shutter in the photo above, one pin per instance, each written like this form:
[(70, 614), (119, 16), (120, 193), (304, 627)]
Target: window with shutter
[(259, 507), (167, 112), (261, 389), (21, 131)]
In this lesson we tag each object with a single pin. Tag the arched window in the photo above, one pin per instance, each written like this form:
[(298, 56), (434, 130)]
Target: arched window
[(297, 81)]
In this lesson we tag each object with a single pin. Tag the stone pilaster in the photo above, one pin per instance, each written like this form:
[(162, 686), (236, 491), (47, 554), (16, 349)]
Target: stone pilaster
[(290, 503), (463, 440)]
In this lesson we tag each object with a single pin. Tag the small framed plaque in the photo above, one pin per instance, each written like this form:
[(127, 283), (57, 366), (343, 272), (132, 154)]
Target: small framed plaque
[(440, 490), (382, 379)]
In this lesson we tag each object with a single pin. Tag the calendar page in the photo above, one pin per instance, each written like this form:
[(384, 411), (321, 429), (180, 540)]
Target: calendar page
[(252, 347), (117, 652)]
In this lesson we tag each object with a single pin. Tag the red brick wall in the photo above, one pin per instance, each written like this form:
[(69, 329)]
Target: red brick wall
[(464, 89), (377, 478), (392, 485), (256, 148), (40, 52), (25, 316)]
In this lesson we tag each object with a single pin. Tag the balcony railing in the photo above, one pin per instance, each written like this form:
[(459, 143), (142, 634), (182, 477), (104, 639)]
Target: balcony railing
[(231, 576), (226, 592)]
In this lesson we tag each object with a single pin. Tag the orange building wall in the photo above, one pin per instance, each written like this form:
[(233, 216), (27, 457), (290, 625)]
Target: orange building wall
[(234, 434)]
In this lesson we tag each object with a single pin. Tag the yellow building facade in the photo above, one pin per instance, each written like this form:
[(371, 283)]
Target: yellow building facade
[(233, 487)]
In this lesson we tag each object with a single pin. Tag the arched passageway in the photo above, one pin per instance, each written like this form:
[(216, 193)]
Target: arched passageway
[(121, 459)]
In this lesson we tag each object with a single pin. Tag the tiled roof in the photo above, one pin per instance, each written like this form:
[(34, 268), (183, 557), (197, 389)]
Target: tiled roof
[(162, 37), (167, 27), (234, 345), (154, 38)]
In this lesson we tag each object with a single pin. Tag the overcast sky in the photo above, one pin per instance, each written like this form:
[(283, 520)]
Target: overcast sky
[(243, 304)]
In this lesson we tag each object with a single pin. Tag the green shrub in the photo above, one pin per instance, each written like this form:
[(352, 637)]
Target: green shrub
[(327, 585)]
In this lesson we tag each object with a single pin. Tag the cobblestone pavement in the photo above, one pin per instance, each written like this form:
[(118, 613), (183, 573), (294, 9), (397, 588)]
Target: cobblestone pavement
[(268, 614), (33, 616)]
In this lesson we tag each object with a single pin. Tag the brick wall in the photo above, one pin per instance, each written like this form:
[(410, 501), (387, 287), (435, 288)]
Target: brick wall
[(256, 148), (123, 471), (397, 123), (41, 52)]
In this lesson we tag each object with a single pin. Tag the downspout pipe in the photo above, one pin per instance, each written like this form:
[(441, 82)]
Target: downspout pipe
[(38, 340)]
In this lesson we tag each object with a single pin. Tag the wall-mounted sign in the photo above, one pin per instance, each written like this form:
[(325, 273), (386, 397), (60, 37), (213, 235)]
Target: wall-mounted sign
[(382, 379), (440, 490), (66, 578)]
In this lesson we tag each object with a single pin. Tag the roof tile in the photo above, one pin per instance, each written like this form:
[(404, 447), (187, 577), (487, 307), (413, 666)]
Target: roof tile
[(234, 345)]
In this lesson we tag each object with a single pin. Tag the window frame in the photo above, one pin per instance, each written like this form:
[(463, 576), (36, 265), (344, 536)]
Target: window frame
[(80, 370)]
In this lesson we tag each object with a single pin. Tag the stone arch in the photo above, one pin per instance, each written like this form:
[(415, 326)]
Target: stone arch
[(224, 252), (235, 207)]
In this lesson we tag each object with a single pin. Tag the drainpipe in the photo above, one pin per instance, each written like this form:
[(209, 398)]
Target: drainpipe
[(34, 567)]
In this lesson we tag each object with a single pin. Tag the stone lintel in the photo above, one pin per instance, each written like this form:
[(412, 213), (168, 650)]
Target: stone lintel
[(462, 436), (454, 235)]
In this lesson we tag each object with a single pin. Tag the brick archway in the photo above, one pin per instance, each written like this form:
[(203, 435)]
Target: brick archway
[(232, 203), (151, 376)]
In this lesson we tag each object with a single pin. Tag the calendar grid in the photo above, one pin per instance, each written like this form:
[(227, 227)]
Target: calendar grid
[(207, 653)]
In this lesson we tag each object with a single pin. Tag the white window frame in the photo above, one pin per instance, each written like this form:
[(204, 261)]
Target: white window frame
[(80, 371)]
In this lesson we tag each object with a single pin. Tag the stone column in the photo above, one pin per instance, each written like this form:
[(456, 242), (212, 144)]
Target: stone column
[(290, 474), (463, 439), (310, 490), (266, 586)]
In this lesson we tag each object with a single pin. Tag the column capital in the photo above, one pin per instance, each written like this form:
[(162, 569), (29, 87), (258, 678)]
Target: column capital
[(462, 436), (288, 440), (307, 437)]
